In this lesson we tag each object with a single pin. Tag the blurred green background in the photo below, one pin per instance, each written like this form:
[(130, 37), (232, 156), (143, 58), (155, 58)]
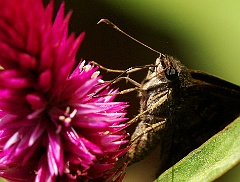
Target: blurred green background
[(203, 35)]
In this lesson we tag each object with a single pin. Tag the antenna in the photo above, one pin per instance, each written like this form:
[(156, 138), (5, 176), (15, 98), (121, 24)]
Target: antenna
[(106, 21)]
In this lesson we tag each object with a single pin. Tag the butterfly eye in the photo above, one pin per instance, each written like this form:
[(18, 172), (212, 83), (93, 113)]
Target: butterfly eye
[(171, 74)]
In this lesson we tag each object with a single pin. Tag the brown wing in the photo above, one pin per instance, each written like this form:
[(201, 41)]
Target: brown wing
[(198, 112)]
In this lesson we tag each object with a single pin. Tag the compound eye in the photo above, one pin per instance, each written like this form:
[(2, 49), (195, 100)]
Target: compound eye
[(171, 74)]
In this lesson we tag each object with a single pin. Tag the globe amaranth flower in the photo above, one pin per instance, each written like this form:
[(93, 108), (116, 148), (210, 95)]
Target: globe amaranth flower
[(52, 128)]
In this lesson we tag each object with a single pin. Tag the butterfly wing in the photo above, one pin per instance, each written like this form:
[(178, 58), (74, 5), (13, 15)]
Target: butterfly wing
[(198, 112)]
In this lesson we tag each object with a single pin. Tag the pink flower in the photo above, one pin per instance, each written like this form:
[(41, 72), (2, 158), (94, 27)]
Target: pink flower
[(52, 127)]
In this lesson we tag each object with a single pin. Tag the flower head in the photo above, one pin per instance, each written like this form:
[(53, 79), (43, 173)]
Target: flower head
[(52, 127)]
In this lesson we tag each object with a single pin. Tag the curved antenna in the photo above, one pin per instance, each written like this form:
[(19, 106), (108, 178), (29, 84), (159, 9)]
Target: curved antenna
[(106, 21)]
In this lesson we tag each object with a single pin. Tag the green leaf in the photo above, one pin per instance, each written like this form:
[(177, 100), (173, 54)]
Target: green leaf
[(215, 157)]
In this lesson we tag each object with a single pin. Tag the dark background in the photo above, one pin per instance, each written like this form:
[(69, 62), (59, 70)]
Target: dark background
[(203, 35)]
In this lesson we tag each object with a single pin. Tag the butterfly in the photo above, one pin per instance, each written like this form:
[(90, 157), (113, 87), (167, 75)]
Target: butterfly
[(180, 109), (184, 107)]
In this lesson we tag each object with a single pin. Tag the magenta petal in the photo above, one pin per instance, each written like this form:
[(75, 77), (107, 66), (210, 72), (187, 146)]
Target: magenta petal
[(43, 171), (27, 62), (91, 121), (111, 138), (44, 80), (36, 101), (93, 147), (77, 146), (12, 140), (38, 131), (55, 154)]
